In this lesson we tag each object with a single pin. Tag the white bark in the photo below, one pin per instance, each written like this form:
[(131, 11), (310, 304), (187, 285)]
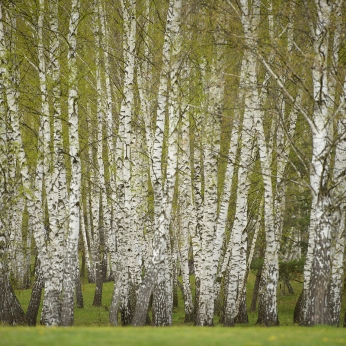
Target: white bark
[(53, 266), (231, 158), (267, 307), (126, 111), (10, 311), (284, 138), (206, 297), (17, 167), (110, 128), (71, 253), (211, 148), (139, 187), (338, 195), (142, 170), (171, 170), (162, 194), (185, 214), (318, 275), (94, 217), (270, 270), (121, 292), (91, 214), (87, 254), (240, 219), (196, 224)]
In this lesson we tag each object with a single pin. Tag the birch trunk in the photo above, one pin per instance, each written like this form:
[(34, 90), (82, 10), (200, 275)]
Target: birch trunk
[(18, 167), (10, 310), (163, 312), (98, 205), (139, 208), (231, 158), (104, 116), (121, 235), (316, 310), (35, 299), (240, 219), (162, 195), (267, 307), (129, 11), (103, 222), (197, 209), (267, 304), (211, 147), (185, 216), (71, 253), (338, 234), (121, 292), (87, 252), (110, 128), (52, 265)]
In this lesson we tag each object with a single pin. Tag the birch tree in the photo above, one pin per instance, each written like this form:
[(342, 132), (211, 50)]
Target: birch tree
[(185, 214), (10, 309), (121, 298), (71, 253), (318, 263), (162, 194), (338, 226), (52, 263), (324, 97), (18, 169), (235, 278), (211, 148), (100, 208)]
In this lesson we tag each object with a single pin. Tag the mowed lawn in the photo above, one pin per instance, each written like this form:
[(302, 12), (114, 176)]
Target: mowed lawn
[(160, 336)]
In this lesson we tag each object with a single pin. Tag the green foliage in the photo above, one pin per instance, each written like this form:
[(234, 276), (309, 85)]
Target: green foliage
[(291, 269), (257, 264)]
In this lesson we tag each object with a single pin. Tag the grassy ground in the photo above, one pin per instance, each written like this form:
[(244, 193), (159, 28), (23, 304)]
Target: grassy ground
[(92, 326), (98, 316), (189, 336)]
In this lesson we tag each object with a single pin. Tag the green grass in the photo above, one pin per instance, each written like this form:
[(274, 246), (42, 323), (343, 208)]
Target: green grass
[(98, 316), (189, 336), (92, 327), (89, 315)]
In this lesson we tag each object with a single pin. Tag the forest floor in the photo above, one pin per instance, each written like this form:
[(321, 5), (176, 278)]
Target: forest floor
[(99, 316), (92, 327)]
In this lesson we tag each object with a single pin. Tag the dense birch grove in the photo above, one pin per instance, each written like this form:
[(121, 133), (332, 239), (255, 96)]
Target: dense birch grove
[(165, 145)]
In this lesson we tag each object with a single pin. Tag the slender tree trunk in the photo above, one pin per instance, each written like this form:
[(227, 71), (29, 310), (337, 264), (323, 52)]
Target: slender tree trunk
[(17, 165), (35, 299), (157, 268), (121, 292), (52, 265), (211, 147), (185, 216), (318, 278), (197, 211), (79, 288), (337, 274), (240, 219), (71, 259), (10, 310)]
